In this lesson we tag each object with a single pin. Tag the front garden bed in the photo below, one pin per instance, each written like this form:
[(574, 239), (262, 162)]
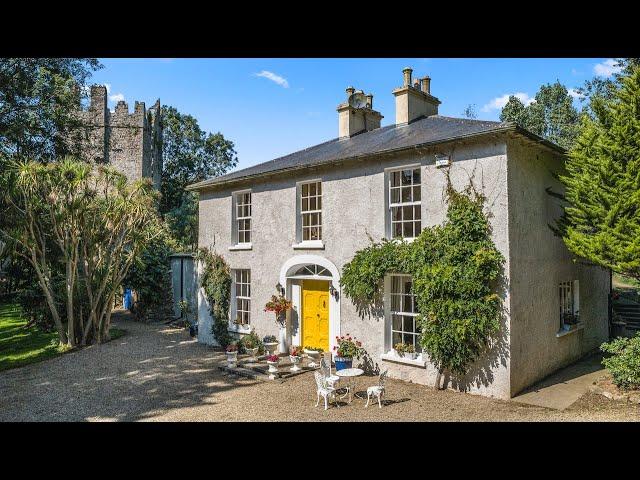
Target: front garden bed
[(604, 386)]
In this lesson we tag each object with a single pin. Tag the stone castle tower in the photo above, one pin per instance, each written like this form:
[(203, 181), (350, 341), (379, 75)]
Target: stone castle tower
[(130, 142)]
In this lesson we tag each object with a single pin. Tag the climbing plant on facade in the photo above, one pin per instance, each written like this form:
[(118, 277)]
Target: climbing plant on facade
[(215, 280), (455, 267)]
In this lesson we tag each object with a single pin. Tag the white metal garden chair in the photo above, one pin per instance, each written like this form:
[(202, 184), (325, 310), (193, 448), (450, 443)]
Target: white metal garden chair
[(377, 390), (330, 380), (323, 390)]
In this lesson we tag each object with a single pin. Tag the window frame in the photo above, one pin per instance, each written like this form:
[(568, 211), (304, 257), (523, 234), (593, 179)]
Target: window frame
[(300, 213), (568, 301), (390, 205), (235, 297), (235, 219), (391, 312)]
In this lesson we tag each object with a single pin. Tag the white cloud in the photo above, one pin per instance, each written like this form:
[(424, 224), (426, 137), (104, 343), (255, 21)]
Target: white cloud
[(575, 94), (499, 102), (606, 68), (116, 97), (274, 78)]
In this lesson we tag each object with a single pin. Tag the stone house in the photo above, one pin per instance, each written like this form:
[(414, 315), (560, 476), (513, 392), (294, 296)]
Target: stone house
[(290, 224)]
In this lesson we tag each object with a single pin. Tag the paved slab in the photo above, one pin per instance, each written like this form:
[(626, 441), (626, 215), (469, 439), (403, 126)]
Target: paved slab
[(563, 388)]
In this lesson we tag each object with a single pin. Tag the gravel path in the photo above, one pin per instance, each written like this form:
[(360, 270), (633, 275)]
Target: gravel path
[(156, 373)]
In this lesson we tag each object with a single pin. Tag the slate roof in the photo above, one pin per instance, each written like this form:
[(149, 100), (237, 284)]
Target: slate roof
[(425, 131)]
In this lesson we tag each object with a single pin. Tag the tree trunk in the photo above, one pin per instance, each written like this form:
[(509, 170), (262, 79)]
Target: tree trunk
[(439, 379)]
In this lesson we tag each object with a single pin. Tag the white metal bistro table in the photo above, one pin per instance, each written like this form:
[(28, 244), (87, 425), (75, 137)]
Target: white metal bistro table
[(349, 374)]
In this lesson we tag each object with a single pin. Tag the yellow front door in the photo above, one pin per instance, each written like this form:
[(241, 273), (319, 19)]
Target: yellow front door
[(315, 314)]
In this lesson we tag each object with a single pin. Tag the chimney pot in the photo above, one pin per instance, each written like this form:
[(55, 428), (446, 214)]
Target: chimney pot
[(350, 91), (426, 85), (406, 72), (370, 101)]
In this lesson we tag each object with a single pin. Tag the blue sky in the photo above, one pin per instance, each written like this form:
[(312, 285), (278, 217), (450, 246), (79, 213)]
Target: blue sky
[(272, 107)]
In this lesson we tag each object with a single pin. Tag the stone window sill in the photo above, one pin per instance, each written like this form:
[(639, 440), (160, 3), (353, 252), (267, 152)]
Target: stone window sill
[(239, 328), (241, 246), (309, 245), (393, 357), (562, 333)]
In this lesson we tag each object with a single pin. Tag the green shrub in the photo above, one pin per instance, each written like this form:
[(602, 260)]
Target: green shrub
[(623, 362), (215, 280)]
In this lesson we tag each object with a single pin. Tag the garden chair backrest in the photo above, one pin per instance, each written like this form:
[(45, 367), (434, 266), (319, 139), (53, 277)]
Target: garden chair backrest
[(324, 367), (319, 379), (382, 378)]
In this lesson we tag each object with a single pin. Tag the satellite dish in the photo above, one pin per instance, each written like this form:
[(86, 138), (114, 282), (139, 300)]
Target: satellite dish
[(358, 100)]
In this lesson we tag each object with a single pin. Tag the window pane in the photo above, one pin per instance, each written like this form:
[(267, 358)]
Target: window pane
[(305, 219), (407, 324), (305, 204), (312, 203), (305, 233), (406, 194), (395, 179), (406, 177), (416, 176), (407, 213), (417, 228), (319, 200), (312, 189), (397, 230), (416, 212), (397, 338), (416, 194), (319, 188), (305, 190), (395, 195), (407, 230), (319, 233)]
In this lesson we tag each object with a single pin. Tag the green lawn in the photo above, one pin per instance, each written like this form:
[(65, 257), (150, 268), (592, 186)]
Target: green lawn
[(20, 346)]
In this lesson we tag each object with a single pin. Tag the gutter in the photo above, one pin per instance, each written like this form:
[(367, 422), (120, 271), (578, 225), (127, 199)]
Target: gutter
[(508, 127)]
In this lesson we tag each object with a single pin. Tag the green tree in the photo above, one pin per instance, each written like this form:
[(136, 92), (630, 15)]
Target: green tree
[(189, 155), (601, 221), (551, 115), (38, 99), (90, 220)]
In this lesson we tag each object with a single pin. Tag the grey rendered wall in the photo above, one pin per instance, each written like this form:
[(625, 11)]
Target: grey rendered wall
[(353, 210), (539, 262)]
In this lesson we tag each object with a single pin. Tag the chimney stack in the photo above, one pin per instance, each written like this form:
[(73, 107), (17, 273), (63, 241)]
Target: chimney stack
[(406, 72), (357, 115), (414, 101), (425, 85)]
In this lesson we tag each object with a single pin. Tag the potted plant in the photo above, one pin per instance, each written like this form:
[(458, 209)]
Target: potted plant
[(251, 343), (346, 350), (232, 355), (273, 361), (270, 343), (406, 350), (314, 354), (279, 305), (295, 358), (185, 311)]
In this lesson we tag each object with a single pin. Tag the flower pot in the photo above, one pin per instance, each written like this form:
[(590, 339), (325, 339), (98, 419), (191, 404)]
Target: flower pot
[(252, 351), (295, 360), (314, 357), (270, 347), (343, 362), (273, 369), (232, 359), (410, 355)]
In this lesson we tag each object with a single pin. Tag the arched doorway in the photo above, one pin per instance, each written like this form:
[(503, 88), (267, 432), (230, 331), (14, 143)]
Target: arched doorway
[(312, 283)]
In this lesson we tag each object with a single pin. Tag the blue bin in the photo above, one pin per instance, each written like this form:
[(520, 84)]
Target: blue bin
[(126, 300)]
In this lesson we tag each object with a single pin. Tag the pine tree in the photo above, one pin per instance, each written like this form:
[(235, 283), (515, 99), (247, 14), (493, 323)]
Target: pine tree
[(601, 222)]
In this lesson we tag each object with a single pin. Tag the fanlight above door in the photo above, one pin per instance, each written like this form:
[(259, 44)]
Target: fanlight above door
[(312, 271)]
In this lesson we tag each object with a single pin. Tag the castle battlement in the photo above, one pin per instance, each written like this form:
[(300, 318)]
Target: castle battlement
[(129, 141)]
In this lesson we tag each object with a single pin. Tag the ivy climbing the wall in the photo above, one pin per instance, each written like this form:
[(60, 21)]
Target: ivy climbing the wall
[(215, 280), (455, 268)]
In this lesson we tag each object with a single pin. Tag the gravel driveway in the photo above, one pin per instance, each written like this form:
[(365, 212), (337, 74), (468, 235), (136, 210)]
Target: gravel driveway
[(156, 373)]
